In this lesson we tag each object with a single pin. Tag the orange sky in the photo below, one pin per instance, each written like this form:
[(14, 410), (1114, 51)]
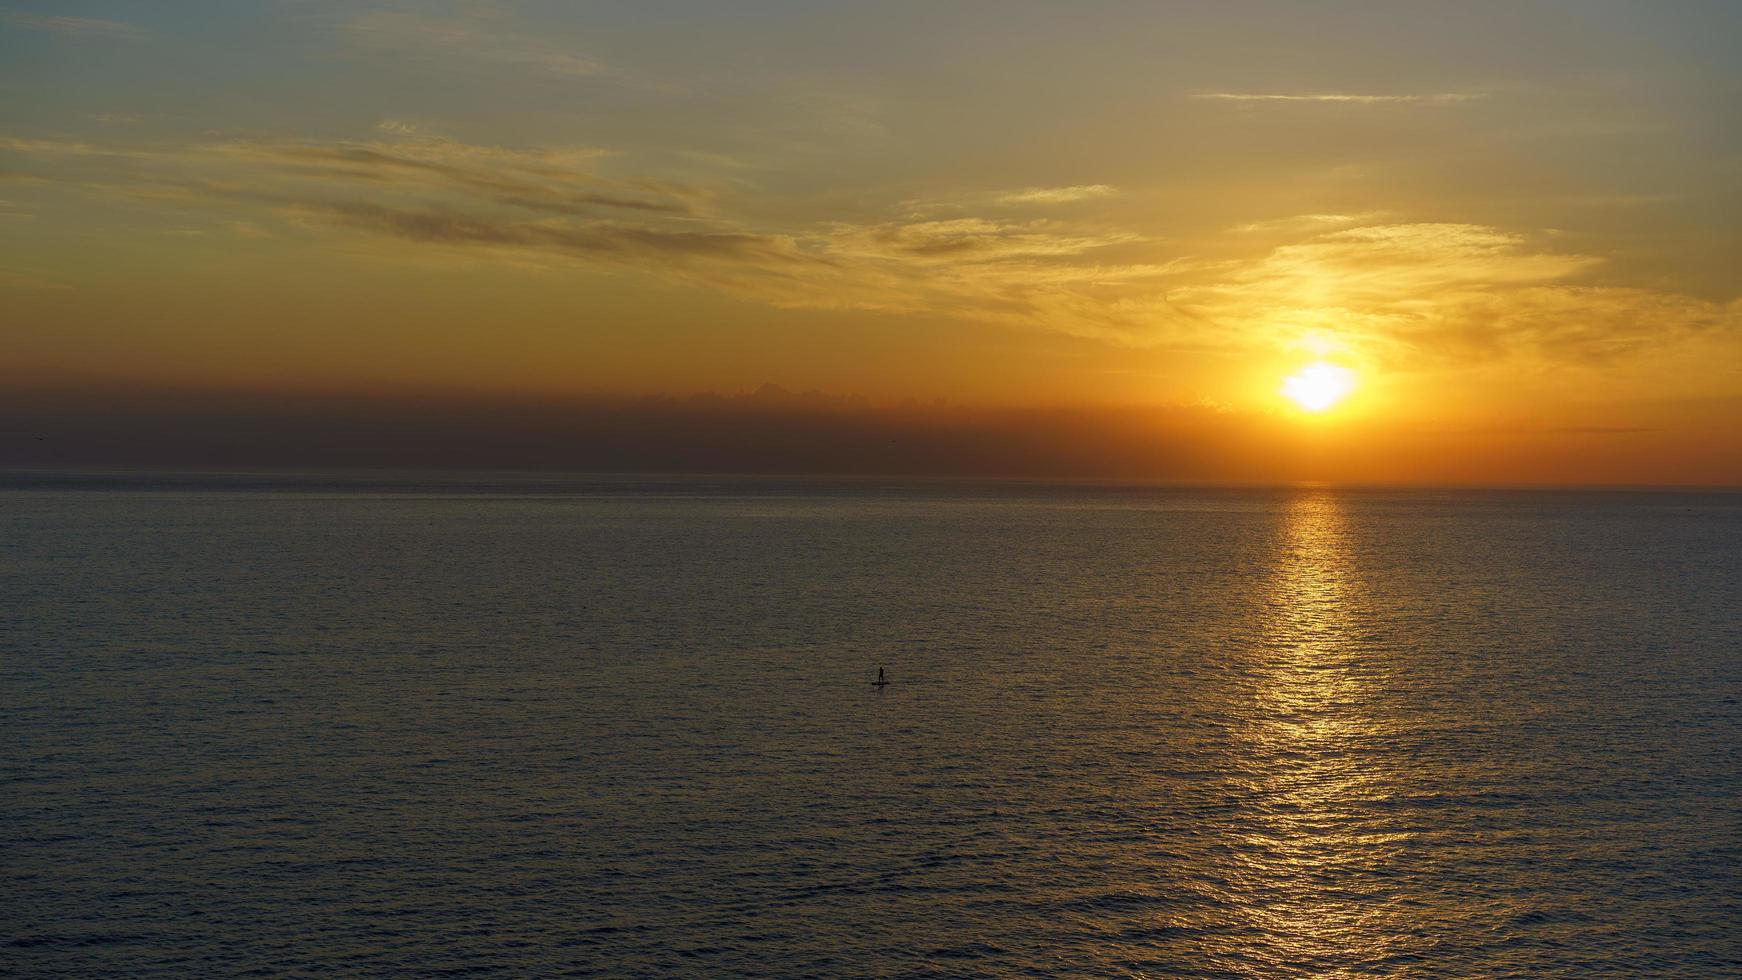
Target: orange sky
[(1517, 225)]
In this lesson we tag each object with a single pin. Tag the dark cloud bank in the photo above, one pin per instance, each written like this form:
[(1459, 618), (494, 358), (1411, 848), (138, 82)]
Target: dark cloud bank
[(771, 431)]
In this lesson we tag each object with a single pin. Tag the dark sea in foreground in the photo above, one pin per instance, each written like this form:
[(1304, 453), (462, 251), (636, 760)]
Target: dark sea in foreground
[(526, 726)]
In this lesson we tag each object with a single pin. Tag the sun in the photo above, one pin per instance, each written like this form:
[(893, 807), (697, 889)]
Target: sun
[(1318, 386)]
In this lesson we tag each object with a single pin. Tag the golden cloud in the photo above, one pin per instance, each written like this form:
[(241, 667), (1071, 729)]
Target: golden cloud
[(1407, 293)]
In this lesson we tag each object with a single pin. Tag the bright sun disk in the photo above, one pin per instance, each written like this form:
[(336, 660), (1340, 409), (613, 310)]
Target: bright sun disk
[(1318, 386)]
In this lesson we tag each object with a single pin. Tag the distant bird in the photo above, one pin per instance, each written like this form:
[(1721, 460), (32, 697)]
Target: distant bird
[(879, 682)]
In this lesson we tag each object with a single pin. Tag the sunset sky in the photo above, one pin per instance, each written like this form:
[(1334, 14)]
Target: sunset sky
[(1517, 226)]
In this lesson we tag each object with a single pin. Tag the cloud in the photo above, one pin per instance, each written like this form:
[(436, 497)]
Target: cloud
[(554, 180), (1441, 98), (1402, 262), (770, 430), (79, 424), (537, 180), (968, 202), (1056, 195), (1409, 295), (1426, 293), (594, 240), (478, 37), (75, 26), (1584, 324), (1307, 222), (1400, 293), (969, 239), (432, 192), (41, 147)]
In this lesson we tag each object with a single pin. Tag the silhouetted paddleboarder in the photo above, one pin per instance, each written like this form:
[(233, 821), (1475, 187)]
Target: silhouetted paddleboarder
[(879, 682)]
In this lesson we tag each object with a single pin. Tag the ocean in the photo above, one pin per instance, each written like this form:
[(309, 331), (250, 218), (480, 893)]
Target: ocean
[(523, 726)]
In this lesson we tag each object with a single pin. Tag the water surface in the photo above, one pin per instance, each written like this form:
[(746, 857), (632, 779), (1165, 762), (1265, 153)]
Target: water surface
[(626, 726)]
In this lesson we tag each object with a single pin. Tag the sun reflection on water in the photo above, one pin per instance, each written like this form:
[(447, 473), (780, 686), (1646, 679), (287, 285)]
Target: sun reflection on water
[(1311, 876)]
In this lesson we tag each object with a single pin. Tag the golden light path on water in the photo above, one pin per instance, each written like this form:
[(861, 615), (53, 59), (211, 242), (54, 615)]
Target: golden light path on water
[(1306, 875)]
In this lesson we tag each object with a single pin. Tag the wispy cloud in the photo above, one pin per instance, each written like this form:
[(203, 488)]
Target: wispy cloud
[(554, 180), (481, 38), (76, 26), (400, 127), (426, 190), (980, 201), (597, 239), (1420, 293), (53, 148), (1440, 98), (970, 239), (1056, 195), (1400, 292), (535, 181), (1308, 222)]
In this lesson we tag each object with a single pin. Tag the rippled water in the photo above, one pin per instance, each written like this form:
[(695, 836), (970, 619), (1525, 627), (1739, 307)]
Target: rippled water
[(627, 728)]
